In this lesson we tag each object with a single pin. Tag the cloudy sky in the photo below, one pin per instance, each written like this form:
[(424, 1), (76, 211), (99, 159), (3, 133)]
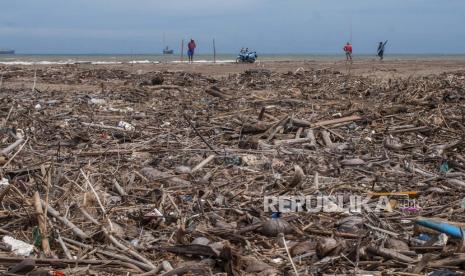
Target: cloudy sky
[(269, 26)]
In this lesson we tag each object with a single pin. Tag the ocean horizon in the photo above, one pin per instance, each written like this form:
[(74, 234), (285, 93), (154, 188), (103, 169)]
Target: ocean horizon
[(97, 58)]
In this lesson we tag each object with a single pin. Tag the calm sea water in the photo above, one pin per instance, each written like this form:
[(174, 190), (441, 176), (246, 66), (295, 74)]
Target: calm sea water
[(22, 59)]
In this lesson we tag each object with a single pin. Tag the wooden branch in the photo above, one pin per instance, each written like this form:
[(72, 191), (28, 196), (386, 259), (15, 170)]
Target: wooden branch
[(199, 269), (456, 183), (310, 134), (299, 132), (215, 92), (11, 147), (128, 250), (327, 138), (155, 175), (88, 216), (316, 182), (42, 222), (336, 121), (289, 256), (119, 245), (63, 246), (94, 192), (413, 129), (274, 129), (123, 258), (390, 254), (167, 266), (152, 272), (60, 263), (54, 213), (255, 128), (118, 188), (203, 163), (300, 123), (457, 259), (298, 177), (291, 141), (273, 133), (198, 134), (110, 254)]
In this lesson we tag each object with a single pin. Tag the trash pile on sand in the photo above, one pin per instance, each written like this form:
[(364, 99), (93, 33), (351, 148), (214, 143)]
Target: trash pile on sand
[(166, 173)]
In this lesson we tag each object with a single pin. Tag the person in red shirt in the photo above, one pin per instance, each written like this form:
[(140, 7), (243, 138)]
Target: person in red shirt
[(348, 49), (190, 50)]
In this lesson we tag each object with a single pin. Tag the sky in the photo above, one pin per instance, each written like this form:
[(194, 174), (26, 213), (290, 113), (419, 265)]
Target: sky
[(267, 26)]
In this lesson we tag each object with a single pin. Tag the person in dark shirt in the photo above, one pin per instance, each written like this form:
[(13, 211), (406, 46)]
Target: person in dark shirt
[(190, 50), (381, 47)]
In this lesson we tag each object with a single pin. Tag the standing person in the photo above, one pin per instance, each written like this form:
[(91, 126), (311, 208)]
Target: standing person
[(348, 49), (381, 47), (190, 50)]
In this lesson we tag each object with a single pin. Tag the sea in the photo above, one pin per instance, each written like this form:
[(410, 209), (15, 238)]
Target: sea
[(50, 59)]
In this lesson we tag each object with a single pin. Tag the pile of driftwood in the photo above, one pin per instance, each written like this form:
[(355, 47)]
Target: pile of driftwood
[(168, 173)]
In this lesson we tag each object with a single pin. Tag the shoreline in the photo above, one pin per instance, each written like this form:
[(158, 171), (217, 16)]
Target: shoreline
[(21, 61)]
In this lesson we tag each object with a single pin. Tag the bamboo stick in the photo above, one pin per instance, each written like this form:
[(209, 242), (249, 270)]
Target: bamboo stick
[(42, 222)]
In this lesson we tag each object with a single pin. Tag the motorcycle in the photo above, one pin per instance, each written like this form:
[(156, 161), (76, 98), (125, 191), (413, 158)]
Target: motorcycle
[(246, 56)]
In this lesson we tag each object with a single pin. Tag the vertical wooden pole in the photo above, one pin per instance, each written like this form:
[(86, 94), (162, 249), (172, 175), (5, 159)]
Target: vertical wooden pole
[(214, 51), (182, 50), (35, 80), (1, 81)]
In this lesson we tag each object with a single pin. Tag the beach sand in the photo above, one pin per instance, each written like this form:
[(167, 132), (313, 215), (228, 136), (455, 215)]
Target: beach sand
[(365, 67), (387, 69)]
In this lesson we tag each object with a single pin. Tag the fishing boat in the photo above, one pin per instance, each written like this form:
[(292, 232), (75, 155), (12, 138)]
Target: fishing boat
[(7, 52), (167, 51)]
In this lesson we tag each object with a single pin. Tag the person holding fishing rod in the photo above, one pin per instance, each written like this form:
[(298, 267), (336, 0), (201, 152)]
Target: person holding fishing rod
[(381, 47), (348, 50)]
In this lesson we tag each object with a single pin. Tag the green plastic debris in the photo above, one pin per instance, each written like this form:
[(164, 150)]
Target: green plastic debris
[(36, 237), (444, 167)]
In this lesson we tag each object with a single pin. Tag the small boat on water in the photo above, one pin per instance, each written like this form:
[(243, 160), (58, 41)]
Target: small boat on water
[(167, 51), (7, 52)]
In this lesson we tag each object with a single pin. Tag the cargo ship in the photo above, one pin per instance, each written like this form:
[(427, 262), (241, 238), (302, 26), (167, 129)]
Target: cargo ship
[(7, 52)]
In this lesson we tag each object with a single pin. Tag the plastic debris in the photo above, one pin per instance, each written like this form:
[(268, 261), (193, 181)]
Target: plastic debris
[(4, 182), (154, 214), (165, 124), (424, 237), (442, 240), (126, 126), (449, 229), (444, 166), (97, 101), (18, 247), (233, 160), (443, 272), (122, 110), (351, 224), (274, 226)]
